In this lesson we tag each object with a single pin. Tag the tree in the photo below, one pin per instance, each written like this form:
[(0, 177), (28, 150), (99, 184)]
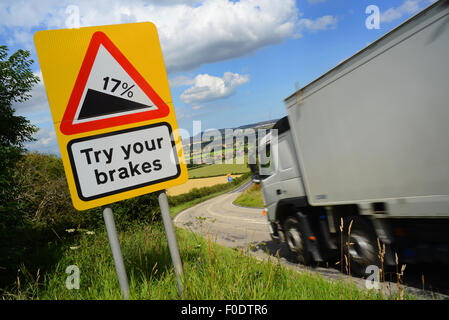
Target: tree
[(16, 81)]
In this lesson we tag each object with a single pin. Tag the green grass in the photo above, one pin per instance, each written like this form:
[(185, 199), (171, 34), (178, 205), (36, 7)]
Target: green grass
[(251, 197), (211, 272), (214, 170)]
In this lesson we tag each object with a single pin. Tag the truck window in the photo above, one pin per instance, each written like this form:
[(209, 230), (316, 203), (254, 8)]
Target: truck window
[(286, 160), (266, 162)]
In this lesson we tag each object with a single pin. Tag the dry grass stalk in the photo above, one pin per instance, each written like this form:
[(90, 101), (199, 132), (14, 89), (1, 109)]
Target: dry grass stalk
[(341, 245), (348, 261), (398, 278), (422, 281), (381, 256)]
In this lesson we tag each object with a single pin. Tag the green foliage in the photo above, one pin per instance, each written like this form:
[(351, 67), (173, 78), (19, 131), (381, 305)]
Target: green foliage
[(251, 197), (32, 234), (43, 198), (144, 209), (16, 81), (210, 272)]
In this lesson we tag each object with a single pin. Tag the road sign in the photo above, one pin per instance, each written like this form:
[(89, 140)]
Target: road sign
[(109, 91), (112, 111)]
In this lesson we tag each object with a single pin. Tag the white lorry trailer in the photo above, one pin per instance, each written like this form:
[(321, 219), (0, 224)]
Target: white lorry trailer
[(369, 142)]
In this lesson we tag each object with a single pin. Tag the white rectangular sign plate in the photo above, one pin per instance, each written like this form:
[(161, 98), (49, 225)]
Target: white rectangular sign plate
[(120, 161)]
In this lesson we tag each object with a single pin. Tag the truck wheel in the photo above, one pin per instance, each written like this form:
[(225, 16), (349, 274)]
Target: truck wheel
[(296, 241), (363, 250)]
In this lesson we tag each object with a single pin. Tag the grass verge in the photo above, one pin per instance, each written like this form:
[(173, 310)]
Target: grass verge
[(251, 197), (211, 272)]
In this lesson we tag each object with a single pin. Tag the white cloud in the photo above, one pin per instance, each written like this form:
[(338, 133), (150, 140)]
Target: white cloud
[(191, 34), (220, 30), (319, 24), (46, 141), (38, 100), (180, 81), (409, 7), (21, 38), (209, 88)]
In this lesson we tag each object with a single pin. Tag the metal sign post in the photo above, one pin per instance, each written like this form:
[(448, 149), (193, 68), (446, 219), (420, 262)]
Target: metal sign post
[(171, 238), (116, 251)]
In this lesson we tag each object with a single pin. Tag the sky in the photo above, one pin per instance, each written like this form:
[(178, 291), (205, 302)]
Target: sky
[(229, 63)]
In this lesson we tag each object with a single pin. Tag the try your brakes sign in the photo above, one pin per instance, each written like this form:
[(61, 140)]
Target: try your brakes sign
[(112, 111)]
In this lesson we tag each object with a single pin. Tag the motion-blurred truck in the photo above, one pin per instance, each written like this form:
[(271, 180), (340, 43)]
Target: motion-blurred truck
[(368, 142)]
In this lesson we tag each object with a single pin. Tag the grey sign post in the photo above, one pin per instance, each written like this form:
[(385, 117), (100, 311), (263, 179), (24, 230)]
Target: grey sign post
[(171, 238), (116, 251)]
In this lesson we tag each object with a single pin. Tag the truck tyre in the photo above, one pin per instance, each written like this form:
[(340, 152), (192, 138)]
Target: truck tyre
[(363, 250), (296, 241)]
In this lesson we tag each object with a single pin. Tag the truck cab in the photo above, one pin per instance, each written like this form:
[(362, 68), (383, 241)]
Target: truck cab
[(311, 232), (281, 178)]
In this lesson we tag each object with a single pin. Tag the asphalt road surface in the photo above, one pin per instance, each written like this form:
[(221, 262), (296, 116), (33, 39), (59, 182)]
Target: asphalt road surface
[(246, 228)]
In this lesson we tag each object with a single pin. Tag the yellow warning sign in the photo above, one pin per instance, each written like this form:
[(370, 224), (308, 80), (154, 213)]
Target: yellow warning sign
[(112, 110)]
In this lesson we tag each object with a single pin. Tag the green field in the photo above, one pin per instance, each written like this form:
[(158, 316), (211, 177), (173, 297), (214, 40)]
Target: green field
[(251, 197), (211, 272), (213, 170)]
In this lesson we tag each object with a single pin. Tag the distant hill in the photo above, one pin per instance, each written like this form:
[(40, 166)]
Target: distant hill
[(262, 124)]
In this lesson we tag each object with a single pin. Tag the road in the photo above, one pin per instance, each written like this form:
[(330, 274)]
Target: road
[(246, 228), (231, 225)]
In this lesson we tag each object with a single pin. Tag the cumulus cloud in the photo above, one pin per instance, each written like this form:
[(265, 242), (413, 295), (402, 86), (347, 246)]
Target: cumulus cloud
[(180, 81), (209, 87), (46, 141), (319, 24), (407, 8), (191, 33)]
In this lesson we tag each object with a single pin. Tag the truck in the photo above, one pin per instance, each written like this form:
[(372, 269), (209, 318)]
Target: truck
[(366, 146)]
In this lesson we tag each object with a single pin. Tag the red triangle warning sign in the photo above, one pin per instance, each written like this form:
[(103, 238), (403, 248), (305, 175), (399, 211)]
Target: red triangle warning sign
[(109, 92)]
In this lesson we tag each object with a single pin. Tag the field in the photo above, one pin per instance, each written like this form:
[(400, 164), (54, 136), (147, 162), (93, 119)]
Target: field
[(214, 170), (252, 197), (197, 183)]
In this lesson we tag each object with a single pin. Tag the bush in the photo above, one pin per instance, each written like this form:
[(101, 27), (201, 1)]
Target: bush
[(144, 209), (44, 199), (34, 229)]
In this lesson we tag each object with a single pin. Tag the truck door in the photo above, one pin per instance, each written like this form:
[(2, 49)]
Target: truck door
[(269, 175), (289, 177)]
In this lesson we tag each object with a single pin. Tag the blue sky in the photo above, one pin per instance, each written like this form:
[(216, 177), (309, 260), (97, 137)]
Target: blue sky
[(229, 63)]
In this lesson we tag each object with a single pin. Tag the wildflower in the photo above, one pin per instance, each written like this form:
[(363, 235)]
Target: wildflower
[(90, 232), (74, 248), (70, 230)]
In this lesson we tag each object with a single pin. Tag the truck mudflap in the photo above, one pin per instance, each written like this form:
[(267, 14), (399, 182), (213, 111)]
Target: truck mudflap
[(309, 237)]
